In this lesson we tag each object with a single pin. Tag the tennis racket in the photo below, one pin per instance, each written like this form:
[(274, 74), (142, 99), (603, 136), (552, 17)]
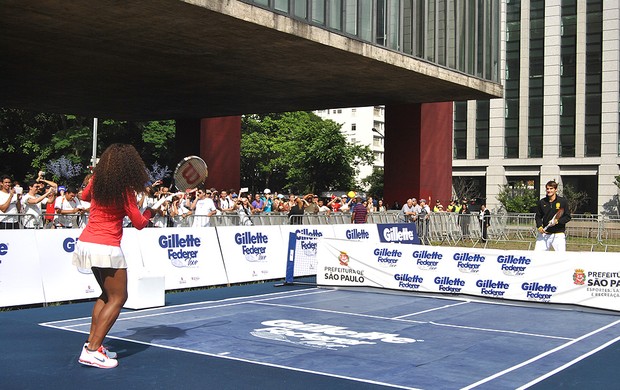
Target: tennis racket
[(189, 173), (557, 216)]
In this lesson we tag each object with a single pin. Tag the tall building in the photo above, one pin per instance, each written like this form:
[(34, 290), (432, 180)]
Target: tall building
[(364, 126), (558, 120)]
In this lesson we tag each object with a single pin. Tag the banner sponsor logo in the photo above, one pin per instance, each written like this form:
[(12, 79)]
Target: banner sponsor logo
[(489, 287), (307, 239), (387, 257), (539, 292), (68, 244), (513, 265), (468, 263), (344, 275), (307, 232), (182, 251), (399, 233), (4, 249), (357, 234), (411, 282), (343, 259), (579, 277), (427, 260), (449, 285), (602, 283), (253, 246), (324, 336)]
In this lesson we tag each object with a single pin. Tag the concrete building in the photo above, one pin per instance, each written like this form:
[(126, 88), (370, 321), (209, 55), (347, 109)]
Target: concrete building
[(364, 126), (205, 63), (558, 120), (560, 66)]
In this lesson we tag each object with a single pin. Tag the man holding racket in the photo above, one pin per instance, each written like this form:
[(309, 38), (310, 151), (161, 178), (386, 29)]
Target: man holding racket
[(552, 214)]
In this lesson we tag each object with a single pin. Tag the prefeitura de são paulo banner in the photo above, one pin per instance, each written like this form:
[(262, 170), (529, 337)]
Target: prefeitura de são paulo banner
[(590, 279)]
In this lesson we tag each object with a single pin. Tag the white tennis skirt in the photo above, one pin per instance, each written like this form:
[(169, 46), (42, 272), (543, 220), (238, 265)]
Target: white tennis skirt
[(88, 254)]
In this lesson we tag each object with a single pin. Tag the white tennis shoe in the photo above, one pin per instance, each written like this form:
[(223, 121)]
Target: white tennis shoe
[(97, 358), (108, 353)]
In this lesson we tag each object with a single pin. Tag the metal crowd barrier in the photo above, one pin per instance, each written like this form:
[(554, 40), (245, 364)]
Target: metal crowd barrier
[(583, 232)]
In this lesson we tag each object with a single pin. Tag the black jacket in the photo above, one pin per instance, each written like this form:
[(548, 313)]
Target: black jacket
[(546, 210)]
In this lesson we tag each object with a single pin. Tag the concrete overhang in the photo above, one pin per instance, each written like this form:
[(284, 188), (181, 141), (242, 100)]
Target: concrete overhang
[(159, 59)]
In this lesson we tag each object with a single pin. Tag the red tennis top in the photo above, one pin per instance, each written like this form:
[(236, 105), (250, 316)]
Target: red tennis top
[(105, 223)]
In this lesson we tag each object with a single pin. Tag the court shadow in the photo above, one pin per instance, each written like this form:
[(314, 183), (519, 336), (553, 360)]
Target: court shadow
[(153, 334)]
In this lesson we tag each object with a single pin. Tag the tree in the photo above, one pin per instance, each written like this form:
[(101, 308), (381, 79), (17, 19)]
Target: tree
[(298, 152), (29, 141), (465, 188), (574, 198), (374, 182), (517, 198)]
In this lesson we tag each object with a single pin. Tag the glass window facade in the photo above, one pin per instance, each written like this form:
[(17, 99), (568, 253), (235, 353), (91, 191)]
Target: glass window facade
[(460, 131), (460, 35), (536, 87), (512, 81), (568, 58), (482, 129), (594, 54)]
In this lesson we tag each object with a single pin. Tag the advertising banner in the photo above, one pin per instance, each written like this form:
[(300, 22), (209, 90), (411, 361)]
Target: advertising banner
[(403, 233), (188, 257), (61, 280), (20, 271), (357, 232), (590, 279), (305, 258), (253, 252)]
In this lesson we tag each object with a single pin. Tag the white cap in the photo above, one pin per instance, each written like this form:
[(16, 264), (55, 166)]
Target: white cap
[(267, 191)]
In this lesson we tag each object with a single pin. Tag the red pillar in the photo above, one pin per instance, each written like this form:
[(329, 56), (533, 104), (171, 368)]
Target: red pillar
[(418, 152), (218, 142)]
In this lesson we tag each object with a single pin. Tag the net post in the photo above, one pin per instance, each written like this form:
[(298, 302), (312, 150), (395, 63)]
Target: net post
[(290, 261)]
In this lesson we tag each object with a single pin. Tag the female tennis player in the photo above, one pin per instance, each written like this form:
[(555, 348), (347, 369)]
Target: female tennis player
[(118, 176)]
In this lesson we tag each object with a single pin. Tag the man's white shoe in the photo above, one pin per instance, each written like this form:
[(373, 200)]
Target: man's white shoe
[(97, 358)]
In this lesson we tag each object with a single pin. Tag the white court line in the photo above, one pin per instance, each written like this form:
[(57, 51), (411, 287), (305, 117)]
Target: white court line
[(501, 331), (542, 355), (335, 312), (547, 375), (56, 324), (414, 321), (224, 355), (429, 310)]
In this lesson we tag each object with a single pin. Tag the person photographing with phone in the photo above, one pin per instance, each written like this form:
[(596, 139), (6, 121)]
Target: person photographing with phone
[(552, 214), (111, 191)]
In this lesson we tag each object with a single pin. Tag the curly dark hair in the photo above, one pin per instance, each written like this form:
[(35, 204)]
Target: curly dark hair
[(120, 170)]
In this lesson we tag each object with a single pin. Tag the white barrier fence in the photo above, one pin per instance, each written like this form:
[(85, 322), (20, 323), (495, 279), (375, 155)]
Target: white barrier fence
[(35, 265), (588, 279)]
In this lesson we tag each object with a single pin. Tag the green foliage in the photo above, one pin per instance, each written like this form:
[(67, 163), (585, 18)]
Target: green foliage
[(574, 198), (374, 183), (29, 141), (298, 152), (517, 198)]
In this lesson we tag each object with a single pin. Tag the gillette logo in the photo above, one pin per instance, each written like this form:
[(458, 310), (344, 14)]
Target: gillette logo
[(4, 249), (175, 245), (69, 244), (253, 246), (307, 232)]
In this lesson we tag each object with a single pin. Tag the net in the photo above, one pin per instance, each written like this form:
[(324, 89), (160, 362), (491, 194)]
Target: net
[(301, 258)]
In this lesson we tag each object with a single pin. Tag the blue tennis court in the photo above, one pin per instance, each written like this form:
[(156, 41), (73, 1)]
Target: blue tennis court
[(372, 338)]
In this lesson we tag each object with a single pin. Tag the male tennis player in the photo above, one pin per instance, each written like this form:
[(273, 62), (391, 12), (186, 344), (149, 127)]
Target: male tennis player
[(551, 217)]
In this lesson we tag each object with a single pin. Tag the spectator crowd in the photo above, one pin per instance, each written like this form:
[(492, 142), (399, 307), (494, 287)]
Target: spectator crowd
[(44, 204)]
